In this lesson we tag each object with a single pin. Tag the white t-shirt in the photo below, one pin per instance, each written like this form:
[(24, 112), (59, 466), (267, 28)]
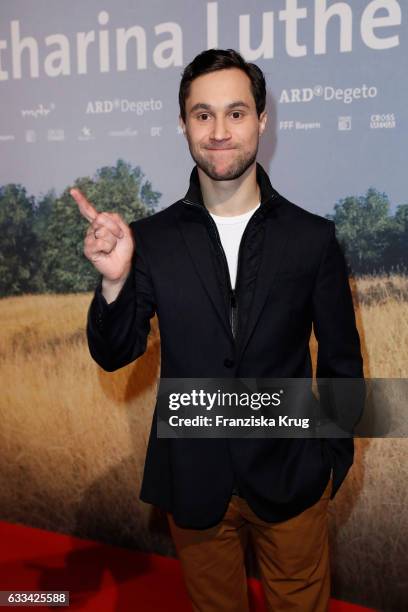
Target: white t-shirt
[(230, 230)]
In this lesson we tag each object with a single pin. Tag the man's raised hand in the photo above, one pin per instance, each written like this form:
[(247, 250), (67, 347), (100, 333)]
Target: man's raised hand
[(108, 243)]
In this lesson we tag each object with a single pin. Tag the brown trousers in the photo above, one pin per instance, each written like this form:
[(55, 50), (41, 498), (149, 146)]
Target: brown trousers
[(293, 558)]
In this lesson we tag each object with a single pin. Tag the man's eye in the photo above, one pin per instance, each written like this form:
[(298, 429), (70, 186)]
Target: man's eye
[(203, 115), (237, 113)]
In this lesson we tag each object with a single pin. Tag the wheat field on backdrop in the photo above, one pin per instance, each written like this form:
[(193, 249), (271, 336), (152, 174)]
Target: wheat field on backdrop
[(73, 437)]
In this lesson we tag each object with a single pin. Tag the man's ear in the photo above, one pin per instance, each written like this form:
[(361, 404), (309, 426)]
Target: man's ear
[(263, 118), (182, 125)]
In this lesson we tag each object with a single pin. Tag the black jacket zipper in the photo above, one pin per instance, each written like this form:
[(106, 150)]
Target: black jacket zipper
[(233, 310)]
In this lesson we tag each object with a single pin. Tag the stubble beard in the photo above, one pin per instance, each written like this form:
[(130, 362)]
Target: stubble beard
[(235, 170)]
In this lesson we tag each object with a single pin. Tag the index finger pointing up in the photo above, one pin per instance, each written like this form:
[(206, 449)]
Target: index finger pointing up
[(86, 209)]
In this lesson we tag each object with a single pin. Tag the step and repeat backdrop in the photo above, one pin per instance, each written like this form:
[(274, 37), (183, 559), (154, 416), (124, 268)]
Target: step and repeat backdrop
[(89, 97)]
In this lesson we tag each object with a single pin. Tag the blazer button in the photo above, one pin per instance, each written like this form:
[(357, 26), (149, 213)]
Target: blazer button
[(229, 363)]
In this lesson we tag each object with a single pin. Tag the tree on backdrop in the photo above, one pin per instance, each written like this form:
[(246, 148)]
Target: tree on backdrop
[(120, 189), (19, 248), (373, 240)]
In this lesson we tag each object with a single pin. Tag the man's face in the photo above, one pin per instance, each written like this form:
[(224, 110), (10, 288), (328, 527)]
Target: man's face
[(222, 126)]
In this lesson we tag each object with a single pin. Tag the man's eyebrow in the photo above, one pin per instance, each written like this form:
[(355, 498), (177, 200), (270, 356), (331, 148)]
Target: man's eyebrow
[(203, 106)]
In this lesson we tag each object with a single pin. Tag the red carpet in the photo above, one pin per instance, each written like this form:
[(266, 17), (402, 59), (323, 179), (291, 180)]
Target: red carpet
[(101, 578)]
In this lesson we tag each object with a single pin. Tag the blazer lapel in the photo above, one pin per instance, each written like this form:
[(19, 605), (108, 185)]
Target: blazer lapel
[(275, 239), (196, 238)]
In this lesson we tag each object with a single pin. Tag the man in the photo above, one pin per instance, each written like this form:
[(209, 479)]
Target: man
[(237, 276)]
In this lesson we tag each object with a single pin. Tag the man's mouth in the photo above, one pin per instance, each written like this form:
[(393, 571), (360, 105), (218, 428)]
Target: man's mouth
[(220, 148)]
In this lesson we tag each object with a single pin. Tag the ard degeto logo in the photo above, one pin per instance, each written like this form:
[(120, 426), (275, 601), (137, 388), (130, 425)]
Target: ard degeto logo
[(327, 93), (123, 105)]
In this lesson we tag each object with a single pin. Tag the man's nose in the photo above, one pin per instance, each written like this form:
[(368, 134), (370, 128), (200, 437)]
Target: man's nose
[(220, 131)]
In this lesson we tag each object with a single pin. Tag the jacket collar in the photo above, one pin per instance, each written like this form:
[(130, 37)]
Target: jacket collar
[(268, 193)]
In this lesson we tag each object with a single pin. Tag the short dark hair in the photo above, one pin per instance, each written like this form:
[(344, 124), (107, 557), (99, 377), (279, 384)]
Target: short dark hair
[(219, 59)]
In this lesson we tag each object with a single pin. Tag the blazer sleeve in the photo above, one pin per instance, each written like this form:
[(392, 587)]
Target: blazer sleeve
[(339, 351), (339, 355), (117, 332), (334, 323)]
